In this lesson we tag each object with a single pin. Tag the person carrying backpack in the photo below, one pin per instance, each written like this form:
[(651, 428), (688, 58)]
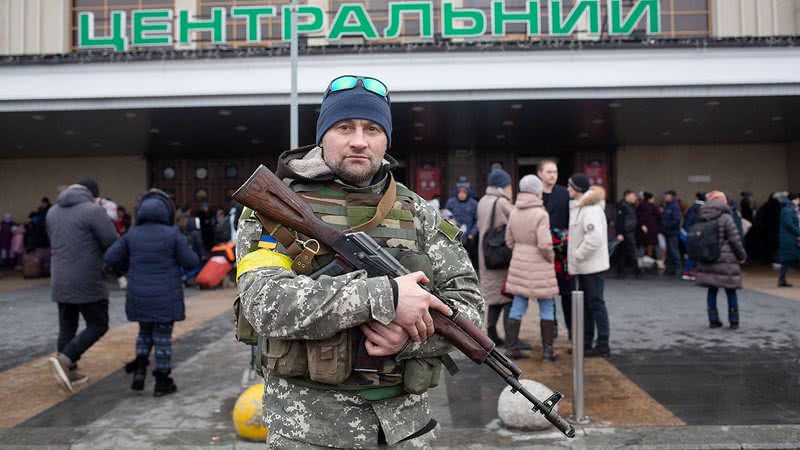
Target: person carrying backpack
[(719, 255)]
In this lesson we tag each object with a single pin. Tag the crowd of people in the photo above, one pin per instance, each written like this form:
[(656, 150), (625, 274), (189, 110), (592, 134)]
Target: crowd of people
[(560, 238), (153, 254)]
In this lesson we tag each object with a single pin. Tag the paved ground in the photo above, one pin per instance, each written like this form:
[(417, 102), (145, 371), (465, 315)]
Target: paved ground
[(694, 387)]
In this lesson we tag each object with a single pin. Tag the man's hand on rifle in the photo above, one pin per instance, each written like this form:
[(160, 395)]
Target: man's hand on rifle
[(413, 303), (384, 340)]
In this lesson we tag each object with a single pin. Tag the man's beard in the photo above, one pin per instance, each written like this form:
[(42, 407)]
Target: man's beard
[(356, 175)]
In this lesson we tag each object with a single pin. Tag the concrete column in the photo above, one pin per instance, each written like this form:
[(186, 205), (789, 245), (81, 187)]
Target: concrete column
[(55, 27), (792, 163), (34, 27)]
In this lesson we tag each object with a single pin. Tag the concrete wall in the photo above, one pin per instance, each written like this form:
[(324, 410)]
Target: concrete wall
[(758, 168), (793, 165), (26, 181), (732, 18), (34, 27)]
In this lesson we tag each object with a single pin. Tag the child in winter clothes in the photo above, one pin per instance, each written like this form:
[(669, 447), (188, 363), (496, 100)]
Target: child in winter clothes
[(154, 250)]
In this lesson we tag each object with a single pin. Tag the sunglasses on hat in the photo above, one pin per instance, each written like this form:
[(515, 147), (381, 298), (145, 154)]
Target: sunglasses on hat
[(346, 82)]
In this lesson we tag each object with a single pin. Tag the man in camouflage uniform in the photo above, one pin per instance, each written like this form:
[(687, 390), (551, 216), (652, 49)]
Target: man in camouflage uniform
[(392, 315)]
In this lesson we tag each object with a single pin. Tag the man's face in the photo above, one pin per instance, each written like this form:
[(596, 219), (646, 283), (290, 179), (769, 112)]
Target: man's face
[(668, 198), (548, 174), (796, 201), (631, 198), (354, 150), (573, 194), (462, 194)]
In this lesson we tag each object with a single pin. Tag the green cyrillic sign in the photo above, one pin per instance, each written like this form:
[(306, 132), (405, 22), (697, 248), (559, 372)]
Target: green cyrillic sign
[(149, 27)]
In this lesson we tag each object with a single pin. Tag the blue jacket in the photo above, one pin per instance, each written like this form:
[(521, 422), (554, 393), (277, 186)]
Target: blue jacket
[(465, 213), (692, 214), (154, 250), (789, 250), (671, 220)]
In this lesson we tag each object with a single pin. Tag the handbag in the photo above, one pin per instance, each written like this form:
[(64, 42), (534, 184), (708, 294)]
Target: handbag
[(495, 253)]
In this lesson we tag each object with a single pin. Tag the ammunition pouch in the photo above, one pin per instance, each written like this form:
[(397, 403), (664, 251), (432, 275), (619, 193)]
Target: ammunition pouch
[(421, 374), (330, 361), (243, 331)]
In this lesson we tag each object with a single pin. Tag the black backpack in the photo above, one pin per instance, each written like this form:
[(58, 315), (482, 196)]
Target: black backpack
[(495, 253), (702, 243)]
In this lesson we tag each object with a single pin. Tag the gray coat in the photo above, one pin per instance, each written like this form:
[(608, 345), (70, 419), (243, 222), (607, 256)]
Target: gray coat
[(724, 272), (79, 231)]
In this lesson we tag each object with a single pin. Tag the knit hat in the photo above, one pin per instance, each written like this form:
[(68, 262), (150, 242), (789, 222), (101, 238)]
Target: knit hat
[(531, 184), (580, 182), (717, 195), (355, 103), (462, 183), (499, 178), (90, 184)]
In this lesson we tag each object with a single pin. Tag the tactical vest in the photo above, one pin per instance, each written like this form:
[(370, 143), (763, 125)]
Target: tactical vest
[(329, 363)]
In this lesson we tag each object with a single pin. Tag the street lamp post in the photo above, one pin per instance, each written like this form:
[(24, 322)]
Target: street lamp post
[(293, 108)]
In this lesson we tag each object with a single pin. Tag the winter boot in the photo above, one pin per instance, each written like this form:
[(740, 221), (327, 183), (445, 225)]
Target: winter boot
[(164, 383), (491, 331), (548, 353), (512, 340), (139, 369), (733, 318), (713, 318)]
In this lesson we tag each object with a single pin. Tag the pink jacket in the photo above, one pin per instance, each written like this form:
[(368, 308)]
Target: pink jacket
[(531, 273)]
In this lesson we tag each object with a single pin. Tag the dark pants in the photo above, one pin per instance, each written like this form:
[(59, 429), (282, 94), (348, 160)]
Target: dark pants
[(158, 334), (95, 315), (566, 285), (626, 254), (733, 299), (493, 314), (594, 310), (673, 254)]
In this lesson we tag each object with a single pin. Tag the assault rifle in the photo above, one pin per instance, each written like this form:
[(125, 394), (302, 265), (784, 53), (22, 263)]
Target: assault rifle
[(269, 197)]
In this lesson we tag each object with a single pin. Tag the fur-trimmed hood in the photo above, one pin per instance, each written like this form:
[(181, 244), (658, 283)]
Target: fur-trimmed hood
[(595, 195)]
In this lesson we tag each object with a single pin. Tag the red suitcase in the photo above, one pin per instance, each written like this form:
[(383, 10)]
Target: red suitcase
[(31, 265), (213, 273)]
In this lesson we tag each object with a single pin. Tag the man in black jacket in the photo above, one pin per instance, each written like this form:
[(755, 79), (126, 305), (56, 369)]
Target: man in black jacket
[(556, 201), (626, 226)]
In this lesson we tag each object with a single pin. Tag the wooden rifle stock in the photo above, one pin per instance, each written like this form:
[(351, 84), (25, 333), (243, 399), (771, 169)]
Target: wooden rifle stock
[(266, 194)]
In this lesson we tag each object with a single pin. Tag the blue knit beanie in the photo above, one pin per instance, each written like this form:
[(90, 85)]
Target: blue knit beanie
[(499, 178), (356, 103)]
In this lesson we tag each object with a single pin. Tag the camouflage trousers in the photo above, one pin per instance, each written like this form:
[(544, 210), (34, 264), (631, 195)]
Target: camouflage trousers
[(278, 442)]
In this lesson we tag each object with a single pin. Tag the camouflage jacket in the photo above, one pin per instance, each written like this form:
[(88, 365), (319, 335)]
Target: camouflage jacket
[(281, 304)]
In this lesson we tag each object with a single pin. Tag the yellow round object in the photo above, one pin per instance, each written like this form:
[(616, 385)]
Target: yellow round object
[(248, 415)]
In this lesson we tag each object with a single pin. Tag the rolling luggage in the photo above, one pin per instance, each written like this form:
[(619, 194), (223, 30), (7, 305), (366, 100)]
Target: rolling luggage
[(31, 265), (218, 266)]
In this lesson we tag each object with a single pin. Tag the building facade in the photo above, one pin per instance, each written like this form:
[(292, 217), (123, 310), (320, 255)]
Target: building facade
[(191, 95)]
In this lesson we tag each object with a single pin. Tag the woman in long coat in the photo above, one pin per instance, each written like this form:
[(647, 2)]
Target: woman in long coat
[(789, 249), (725, 272), (531, 274), (492, 281)]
